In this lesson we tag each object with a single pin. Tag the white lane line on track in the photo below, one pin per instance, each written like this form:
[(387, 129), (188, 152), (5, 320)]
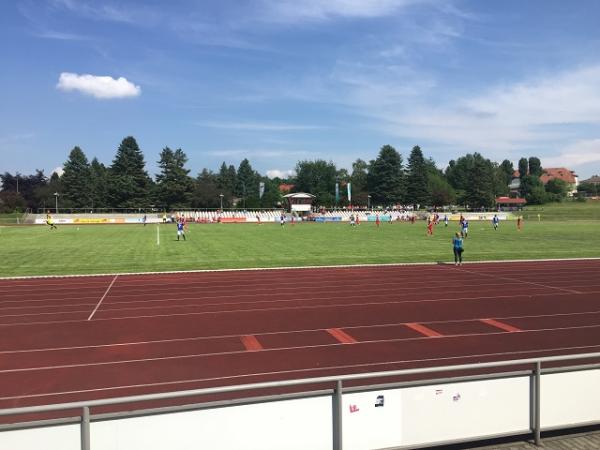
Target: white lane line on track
[(103, 297), (305, 370), (307, 330), (255, 269), (280, 349), (513, 279), (236, 311), (249, 310), (375, 279)]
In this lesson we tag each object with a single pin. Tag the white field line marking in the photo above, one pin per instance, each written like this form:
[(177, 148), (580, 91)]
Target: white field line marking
[(308, 330), (103, 297), (305, 370), (338, 266), (157, 235), (570, 291), (297, 347)]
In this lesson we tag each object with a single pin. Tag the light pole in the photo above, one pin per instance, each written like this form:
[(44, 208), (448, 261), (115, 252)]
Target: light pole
[(369, 202), (221, 195), (56, 194)]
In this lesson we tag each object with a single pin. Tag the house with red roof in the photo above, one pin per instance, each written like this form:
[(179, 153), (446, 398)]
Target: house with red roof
[(561, 173)]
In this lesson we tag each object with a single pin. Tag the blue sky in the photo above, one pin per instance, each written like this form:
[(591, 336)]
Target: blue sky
[(277, 81)]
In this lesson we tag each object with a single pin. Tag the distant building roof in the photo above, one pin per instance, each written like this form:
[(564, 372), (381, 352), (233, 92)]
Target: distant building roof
[(593, 180), (299, 195), (510, 201), (560, 173), (286, 187)]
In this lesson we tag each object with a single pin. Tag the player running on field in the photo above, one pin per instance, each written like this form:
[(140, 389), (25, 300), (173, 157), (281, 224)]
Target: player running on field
[(430, 224), (50, 222)]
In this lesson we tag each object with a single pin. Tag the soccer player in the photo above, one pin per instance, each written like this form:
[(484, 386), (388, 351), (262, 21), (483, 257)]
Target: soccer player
[(446, 220), (144, 219), (282, 220), (377, 220), (465, 228), (50, 222), (495, 221), (519, 223), (430, 226), (180, 229)]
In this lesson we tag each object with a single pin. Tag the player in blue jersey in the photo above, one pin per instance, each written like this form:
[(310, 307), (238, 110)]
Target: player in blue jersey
[(465, 228), (495, 221), (181, 229)]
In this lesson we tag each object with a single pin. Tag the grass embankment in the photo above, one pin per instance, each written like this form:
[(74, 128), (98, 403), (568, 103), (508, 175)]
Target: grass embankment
[(36, 250), (10, 218), (567, 210)]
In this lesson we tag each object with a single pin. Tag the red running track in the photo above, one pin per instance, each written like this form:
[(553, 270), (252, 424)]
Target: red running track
[(68, 339)]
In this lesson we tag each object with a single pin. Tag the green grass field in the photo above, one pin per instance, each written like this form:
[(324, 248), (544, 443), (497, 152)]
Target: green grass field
[(36, 250)]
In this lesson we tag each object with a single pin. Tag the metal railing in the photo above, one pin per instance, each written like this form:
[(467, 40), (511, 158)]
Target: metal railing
[(337, 383)]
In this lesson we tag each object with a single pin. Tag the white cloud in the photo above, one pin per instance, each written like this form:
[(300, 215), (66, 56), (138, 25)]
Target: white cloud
[(542, 113), (103, 87), (58, 170), (93, 10), (276, 173), (575, 155), (318, 10)]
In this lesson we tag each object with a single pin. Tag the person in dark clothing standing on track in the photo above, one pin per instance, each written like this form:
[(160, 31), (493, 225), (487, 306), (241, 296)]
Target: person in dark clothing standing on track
[(457, 247)]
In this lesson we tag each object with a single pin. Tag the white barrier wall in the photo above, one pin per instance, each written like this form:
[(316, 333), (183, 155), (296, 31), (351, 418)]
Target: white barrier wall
[(63, 437), (465, 410), (290, 424), (371, 420), (570, 398)]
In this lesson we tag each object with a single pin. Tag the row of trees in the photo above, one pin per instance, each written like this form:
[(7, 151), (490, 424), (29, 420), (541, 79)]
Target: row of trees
[(126, 184), (471, 180)]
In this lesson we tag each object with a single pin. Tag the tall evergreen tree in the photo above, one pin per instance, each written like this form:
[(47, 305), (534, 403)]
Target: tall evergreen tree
[(99, 180), (358, 178), (535, 166), (226, 182), (508, 170), (173, 184), (247, 185), (76, 180), (480, 189), (130, 185), (523, 167), (417, 190), (206, 191), (386, 178)]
